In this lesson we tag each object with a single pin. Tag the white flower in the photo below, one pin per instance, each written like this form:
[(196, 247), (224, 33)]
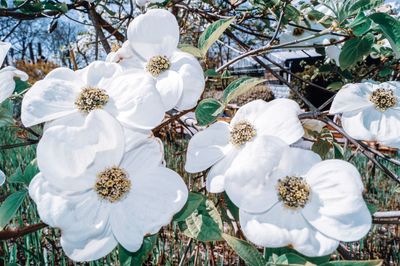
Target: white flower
[(333, 51), (2, 178), (312, 205), (250, 143), (152, 48), (370, 111), (292, 33), (124, 198), (7, 74), (68, 95)]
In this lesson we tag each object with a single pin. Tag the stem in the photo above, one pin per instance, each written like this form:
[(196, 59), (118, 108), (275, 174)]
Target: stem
[(18, 232)]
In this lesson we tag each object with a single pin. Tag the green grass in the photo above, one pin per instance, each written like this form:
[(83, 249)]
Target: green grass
[(43, 247)]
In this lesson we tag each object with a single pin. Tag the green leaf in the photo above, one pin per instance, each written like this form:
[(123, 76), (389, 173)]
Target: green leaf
[(238, 87), (10, 206), (337, 85), (354, 50), (338, 151), (211, 73), (372, 208), (291, 258), (6, 117), (191, 50), (361, 24), (21, 85), (193, 202), (285, 250), (127, 258), (355, 263), (25, 178), (204, 224), (208, 110), (321, 147), (234, 210), (212, 33), (390, 28), (246, 251)]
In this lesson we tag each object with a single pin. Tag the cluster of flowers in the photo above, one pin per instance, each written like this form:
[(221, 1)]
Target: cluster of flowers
[(102, 177), (287, 196)]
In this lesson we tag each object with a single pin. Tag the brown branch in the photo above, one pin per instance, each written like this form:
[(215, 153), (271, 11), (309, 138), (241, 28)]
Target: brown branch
[(171, 119), (18, 232), (94, 17), (110, 29)]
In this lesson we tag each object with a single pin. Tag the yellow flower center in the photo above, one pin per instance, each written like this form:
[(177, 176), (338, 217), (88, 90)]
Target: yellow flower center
[(112, 184), (242, 132), (293, 191), (90, 99), (157, 65), (383, 99)]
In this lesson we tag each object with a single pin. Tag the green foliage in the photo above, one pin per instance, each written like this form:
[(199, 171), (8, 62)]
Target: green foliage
[(354, 50), (191, 50), (361, 24), (10, 206), (353, 263), (6, 114), (390, 28), (25, 178), (285, 254), (193, 202), (239, 87), (208, 111), (212, 33), (246, 251), (204, 224), (127, 258)]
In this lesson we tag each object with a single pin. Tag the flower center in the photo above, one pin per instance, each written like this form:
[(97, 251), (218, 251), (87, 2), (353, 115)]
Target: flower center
[(91, 99), (157, 65), (242, 132), (383, 99), (298, 31), (293, 191), (112, 184)]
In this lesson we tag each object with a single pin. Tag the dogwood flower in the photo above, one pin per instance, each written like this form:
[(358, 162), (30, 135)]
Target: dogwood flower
[(131, 99), (144, 2), (126, 196), (152, 48), (252, 140), (370, 111), (7, 74), (309, 205), (292, 33)]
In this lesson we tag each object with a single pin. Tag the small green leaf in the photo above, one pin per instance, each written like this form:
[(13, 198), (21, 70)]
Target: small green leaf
[(361, 24), (338, 151), (193, 202), (372, 208), (10, 206), (390, 28), (208, 110), (212, 73), (127, 258), (212, 33), (291, 258), (354, 50), (187, 48), (321, 147), (337, 85), (355, 263), (246, 251), (239, 86)]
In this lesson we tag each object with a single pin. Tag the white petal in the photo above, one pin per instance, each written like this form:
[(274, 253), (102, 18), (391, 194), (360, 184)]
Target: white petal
[(169, 85), (247, 180), (250, 112), (215, 181), (290, 165), (362, 125), (389, 128), (147, 155), (192, 76), (65, 209), (207, 147), (90, 249), (333, 52), (281, 227), (50, 98), (134, 138), (98, 72), (352, 97), (123, 53), (85, 147), (337, 208), (154, 33), (154, 198), (7, 83), (134, 101), (280, 119), (4, 47)]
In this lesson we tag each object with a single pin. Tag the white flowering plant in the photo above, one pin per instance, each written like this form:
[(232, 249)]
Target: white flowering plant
[(122, 158)]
